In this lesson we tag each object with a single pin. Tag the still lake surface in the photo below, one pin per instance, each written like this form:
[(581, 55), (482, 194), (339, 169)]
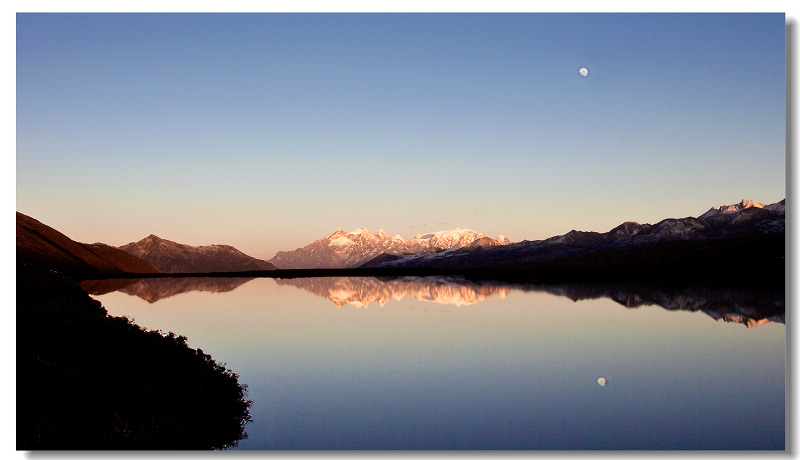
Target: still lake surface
[(415, 363)]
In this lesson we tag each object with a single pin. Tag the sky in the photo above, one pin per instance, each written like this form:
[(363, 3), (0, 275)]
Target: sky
[(270, 131)]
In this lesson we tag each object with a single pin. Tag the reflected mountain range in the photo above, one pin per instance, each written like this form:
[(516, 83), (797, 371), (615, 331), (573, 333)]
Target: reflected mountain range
[(154, 289), (362, 291), (745, 305)]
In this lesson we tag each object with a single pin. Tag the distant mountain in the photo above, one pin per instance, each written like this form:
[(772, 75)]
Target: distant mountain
[(735, 234), (42, 247), (350, 249), (171, 257), (744, 204)]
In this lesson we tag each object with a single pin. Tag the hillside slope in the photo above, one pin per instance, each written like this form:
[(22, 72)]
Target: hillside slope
[(39, 245), (171, 257)]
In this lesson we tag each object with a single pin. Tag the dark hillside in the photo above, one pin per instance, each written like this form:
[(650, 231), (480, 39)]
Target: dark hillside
[(120, 258), (171, 257), (40, 245), (744, 242)]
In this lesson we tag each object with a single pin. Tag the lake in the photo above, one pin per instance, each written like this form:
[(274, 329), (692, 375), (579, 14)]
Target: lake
[(443, 363)]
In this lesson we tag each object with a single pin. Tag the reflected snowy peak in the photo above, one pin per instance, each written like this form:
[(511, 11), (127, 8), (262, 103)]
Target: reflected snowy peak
[(362, 291), (747, 305), (750, 307)]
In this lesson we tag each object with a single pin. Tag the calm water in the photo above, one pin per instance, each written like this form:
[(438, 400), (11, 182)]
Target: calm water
[(360, 363)]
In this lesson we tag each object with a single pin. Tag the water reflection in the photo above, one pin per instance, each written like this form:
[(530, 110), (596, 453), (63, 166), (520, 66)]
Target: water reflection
[(545, 369), (154, 289), (748, 306), (362, 291), (744, 305)]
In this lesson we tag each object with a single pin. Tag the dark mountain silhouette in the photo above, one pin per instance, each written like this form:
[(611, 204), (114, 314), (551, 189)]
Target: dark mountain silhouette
[(42, 246), (171, 257), (747, 239)]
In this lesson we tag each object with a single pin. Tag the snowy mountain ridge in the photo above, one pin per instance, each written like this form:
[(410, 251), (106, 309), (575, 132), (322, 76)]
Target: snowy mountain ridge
[(343, 249), (728, 222), (780, 206)]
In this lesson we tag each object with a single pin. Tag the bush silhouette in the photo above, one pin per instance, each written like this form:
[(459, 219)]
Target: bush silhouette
[(87, 380)]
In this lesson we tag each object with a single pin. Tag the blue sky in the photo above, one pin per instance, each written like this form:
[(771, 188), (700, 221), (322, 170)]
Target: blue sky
[(268, 131)]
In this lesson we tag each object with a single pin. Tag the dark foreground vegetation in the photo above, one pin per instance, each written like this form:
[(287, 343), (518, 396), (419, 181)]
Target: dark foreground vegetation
[(87, 380)]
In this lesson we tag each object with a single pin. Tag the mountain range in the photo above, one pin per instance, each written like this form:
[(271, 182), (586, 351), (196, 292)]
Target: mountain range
[(350, 249), (746, 235), (171, 257), (747, 238), (39, 245)]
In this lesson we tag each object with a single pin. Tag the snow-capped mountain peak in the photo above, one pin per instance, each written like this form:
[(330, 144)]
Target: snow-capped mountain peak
[(742, 205), (746, 219), (350, 249)]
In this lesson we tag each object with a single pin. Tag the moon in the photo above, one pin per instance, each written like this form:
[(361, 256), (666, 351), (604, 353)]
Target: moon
[(583, 71), (601, 381)]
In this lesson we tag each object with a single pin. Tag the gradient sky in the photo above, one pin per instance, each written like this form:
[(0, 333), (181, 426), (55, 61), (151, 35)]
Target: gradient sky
[(269, 131)]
